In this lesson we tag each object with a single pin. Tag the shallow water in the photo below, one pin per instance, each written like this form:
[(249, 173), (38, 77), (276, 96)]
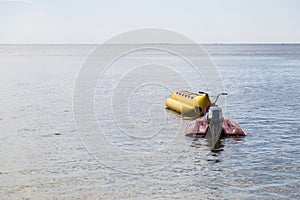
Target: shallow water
[(44, 156)]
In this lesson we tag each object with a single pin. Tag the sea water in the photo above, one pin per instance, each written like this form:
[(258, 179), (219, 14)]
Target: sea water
[(44, 155)]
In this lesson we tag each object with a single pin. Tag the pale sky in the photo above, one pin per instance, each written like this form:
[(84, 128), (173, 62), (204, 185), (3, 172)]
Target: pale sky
[(204, 21)]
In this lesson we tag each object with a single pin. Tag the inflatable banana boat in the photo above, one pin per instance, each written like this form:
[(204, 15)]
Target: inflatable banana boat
[(188, 103)]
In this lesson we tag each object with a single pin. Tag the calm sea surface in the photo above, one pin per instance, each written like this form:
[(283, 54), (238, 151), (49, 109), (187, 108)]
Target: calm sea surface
[(44, 156)]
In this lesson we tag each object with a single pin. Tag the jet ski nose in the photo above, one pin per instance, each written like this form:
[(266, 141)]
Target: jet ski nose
[(214, 131)]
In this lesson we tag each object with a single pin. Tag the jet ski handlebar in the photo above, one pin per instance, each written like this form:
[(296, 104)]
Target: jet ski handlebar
[(222, 93)]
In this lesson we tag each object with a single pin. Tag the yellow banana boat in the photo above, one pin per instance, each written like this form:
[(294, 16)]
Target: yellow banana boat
[(188, 103)]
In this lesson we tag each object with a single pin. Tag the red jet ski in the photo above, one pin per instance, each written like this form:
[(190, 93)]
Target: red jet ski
[(213, 124)]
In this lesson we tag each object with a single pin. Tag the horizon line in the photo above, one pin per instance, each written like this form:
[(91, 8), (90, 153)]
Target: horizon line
[(205, 43)]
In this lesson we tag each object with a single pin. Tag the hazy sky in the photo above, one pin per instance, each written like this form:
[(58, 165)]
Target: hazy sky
[(205, 21)]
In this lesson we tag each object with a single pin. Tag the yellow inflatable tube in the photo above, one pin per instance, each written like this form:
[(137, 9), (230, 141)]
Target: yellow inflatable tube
[(188, 103)]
